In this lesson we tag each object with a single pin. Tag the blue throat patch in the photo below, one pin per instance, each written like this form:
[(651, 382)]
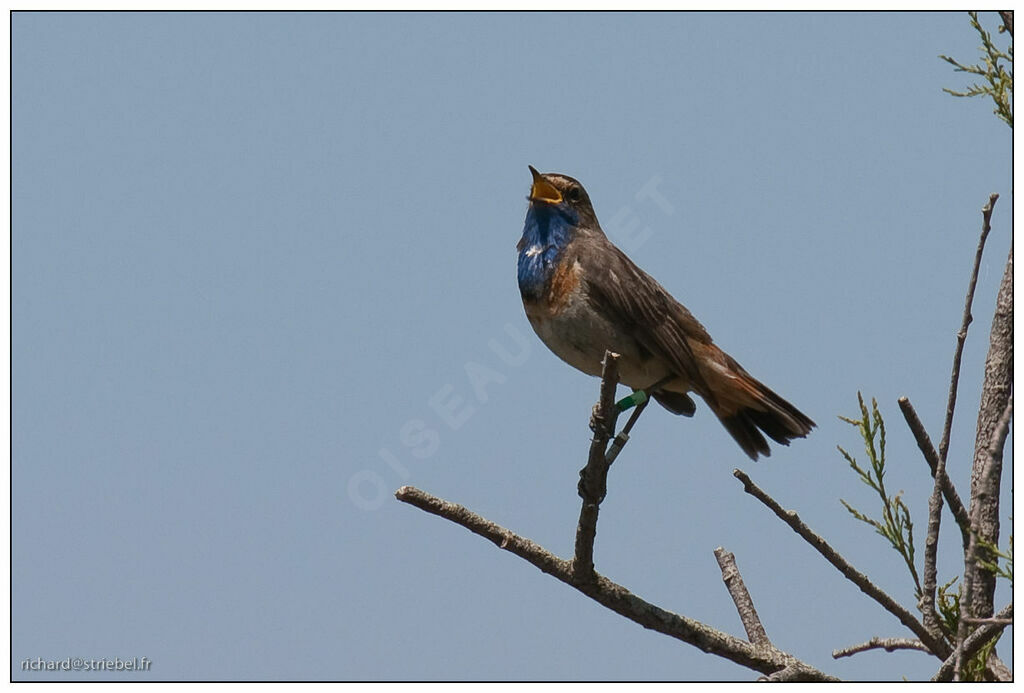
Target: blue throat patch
[(547, 232)]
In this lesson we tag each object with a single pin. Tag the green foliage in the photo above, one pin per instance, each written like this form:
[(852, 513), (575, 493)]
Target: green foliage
[(974, 668), (998, 78), (994, 566), (948, 607), (895, 524)]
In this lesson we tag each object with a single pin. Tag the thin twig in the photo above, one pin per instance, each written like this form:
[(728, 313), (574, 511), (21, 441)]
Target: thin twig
[(961, 336), (615, 597), (887, 644), (924, 442), (593, 484), (926, 603), (503, 538), (934, 642), (974, 642), (741, 598), (996, 621), (965, 607)]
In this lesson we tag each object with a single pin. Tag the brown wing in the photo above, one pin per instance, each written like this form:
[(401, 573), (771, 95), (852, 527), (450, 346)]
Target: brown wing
[(625, 293)]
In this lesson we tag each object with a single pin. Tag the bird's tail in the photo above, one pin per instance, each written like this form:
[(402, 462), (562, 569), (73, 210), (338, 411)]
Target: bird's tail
[(758, 409)]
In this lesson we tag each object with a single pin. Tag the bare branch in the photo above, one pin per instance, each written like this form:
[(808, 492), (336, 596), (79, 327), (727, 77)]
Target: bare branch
[(503, 538), (931, 543), (970, 557), (995, 396), (786, 675), (972, 569), (995, 449), (994, 620), (741, 598), (997, 670), (956, 506), (579, 572), (933, 641), (931, 550), (594, 477), (961, 336), (887, 644), (615, 597), (974, 642)]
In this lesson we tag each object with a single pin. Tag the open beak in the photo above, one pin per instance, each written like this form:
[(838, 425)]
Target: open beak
[(542, 190)]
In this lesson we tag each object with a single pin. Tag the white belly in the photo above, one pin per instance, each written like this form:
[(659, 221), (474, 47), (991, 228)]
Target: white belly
[(579, 336)]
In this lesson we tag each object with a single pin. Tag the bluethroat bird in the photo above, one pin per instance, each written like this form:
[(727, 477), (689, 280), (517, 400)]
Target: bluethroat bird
[(582, 295)]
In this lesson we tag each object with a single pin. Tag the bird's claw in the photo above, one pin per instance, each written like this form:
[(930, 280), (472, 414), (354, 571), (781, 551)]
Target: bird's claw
[(590, 489)]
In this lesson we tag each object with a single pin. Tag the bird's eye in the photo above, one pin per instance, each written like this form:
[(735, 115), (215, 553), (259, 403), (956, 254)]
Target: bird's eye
[(574, 194)]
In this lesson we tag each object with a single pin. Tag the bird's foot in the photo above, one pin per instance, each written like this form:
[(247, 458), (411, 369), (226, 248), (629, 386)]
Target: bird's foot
[(596, 420), (592, 488)]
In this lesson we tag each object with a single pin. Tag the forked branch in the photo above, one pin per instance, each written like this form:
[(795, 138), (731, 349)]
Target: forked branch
[(593, 484), (758, 654), (932, 640)]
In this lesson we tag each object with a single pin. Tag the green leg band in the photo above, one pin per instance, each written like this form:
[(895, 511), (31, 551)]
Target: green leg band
[(636, 399)]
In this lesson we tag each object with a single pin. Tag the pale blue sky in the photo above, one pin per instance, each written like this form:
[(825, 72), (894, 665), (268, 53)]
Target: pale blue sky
[(249, 252)]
